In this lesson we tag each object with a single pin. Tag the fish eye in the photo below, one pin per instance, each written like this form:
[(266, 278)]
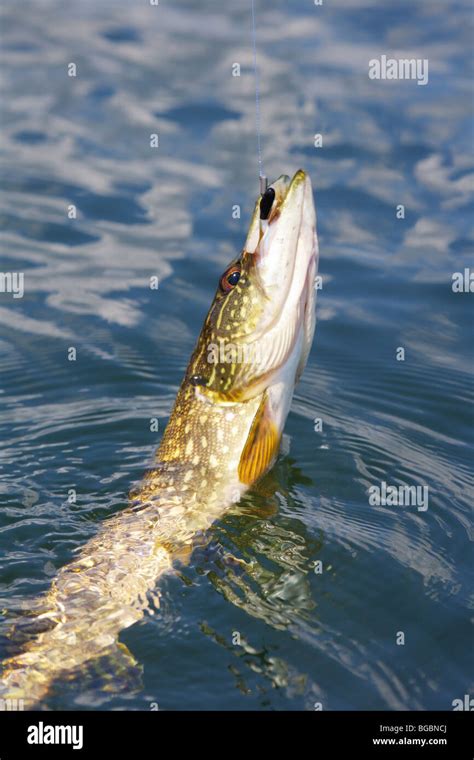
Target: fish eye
[(230, 279)]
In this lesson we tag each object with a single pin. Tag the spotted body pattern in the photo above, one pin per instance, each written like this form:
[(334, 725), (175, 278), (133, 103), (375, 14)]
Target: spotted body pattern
[(222, 436)]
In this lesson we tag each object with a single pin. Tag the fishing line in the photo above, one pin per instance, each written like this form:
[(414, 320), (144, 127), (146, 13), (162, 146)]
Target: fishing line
[(261, 175)]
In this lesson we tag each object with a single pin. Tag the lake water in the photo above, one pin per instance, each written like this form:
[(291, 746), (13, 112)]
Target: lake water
[(307, 637)]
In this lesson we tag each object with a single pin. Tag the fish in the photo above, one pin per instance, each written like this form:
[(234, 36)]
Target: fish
[(222, 437)]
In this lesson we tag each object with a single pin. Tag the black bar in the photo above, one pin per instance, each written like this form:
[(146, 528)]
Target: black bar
[(310, 734)]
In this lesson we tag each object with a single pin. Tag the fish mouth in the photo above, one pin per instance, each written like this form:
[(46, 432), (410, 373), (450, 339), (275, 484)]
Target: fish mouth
[(282, 237), (286, 254), (284, 193)]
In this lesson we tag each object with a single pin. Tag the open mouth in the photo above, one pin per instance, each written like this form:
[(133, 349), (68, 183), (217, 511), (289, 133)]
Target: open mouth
[(284, 193), (282, 236)]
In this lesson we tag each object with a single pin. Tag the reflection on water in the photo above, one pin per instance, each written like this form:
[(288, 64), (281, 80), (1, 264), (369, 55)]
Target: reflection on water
[(258, 559), (76, 435)]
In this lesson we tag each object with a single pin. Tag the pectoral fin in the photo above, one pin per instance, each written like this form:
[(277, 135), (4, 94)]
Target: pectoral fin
[(261, 446)]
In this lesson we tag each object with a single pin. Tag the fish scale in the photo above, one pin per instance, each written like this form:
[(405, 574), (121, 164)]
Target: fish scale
[(223, 435)]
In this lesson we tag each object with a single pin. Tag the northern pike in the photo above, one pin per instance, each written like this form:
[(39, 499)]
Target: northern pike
[(223, 435)]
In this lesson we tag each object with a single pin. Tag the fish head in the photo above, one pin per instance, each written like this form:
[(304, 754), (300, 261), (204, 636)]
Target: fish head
[(259, 329)]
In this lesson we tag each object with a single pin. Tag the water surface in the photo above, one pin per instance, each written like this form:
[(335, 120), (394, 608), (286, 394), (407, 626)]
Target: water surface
[(306, 637)]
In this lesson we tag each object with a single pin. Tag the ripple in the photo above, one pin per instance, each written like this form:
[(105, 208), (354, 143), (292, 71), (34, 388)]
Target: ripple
[(84, 426)]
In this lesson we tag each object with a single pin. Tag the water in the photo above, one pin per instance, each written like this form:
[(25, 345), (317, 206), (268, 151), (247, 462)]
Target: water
[(85, 425)]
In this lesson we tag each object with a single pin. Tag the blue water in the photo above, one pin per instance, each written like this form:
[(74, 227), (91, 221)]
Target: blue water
[(306, 637)]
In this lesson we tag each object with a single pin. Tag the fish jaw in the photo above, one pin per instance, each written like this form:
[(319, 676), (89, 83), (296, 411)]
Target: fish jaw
[(287, 246), (286, 261)]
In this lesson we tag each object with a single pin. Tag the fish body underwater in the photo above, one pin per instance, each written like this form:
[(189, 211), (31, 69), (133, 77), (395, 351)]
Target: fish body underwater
[(222, 436)]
